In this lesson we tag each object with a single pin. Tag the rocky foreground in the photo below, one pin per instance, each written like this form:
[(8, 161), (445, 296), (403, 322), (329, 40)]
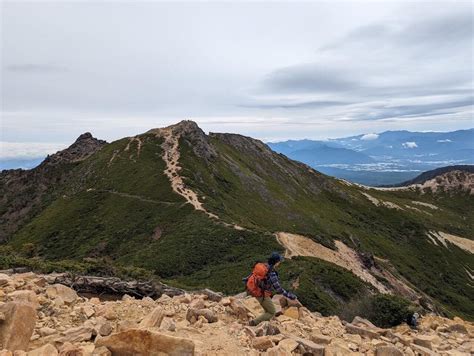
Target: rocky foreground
[(39, 319)]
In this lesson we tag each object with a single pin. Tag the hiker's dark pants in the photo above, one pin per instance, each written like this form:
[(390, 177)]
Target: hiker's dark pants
[(268, 306)]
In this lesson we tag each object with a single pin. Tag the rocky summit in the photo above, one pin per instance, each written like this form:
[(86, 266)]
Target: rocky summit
[(41, 318)]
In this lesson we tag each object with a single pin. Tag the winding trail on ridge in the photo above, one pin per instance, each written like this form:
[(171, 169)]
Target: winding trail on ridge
[(171, 157)]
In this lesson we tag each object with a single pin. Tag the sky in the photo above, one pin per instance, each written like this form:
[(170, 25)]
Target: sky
[(270, 70)]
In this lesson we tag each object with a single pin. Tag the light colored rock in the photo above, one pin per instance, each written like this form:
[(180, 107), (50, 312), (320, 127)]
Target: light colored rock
[(126, 325), (288, 345), (337, 350), (388, 351), (19, 353), (153, 319), (423, 351), (45, 350), (6, 353), (253, 306), (262, 343), (45, 331), (225, 301), (77, 334), (25, 296), (266, 328), (67, 294), (310, 346), (104, 328), (358, 321), (69, 349), (458, 327), (352, 329), (146, 342), (18, 326), (194, 314), (88, 311), (277, 351), (292, 312), (94, 300), (168, 324), (426, 341), (238, 308), (320, 339)]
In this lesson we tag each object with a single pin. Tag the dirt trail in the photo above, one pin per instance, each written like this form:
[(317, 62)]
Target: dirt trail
[(171, 157), (345, 257), (139, 144), (126, 195)]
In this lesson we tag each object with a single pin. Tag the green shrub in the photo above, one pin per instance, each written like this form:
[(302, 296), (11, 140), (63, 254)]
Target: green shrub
[(383, 310)]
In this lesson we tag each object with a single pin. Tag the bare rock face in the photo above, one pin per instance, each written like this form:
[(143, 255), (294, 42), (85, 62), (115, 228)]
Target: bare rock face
[(18, 326), (84, 146), (145, 342)]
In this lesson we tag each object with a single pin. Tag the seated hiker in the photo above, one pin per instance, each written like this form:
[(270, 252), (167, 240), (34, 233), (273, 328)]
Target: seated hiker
[(260, 284)]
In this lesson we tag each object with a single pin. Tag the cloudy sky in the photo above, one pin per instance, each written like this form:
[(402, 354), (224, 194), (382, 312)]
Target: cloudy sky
[(269, 70)]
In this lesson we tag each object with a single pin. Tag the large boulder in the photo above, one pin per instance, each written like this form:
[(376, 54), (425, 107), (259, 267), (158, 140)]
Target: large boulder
[(18, 326), (66, 294), (146, 342)]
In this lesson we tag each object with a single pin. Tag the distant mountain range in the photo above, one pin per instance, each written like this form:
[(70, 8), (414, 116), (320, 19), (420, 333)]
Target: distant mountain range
[(390, 157)]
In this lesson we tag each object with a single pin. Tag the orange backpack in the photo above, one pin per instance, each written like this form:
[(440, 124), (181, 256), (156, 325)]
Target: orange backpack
[(256, 281)]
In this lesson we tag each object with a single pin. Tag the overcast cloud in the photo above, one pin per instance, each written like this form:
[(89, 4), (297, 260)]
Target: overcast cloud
[(268, 70)]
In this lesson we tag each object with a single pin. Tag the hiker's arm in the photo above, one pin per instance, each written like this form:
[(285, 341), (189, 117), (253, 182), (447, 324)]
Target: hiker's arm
[(278, 288)]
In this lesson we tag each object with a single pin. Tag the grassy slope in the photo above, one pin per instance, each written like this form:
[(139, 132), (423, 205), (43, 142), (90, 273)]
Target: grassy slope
[(331, 211)]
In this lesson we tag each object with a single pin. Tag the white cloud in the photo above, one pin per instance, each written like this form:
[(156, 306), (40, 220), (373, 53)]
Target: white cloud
[(409, 145), (447, 140), (369, 137), (18, 150)]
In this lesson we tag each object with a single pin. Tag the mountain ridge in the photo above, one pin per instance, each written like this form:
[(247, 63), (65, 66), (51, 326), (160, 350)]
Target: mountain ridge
[(118, 207)]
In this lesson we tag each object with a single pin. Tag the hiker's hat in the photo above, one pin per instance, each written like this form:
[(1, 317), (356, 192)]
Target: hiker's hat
[(275, 258)]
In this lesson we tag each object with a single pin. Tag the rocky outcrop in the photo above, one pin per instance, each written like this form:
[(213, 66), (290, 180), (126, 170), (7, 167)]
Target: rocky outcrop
[(22, 191), (201, 323)]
